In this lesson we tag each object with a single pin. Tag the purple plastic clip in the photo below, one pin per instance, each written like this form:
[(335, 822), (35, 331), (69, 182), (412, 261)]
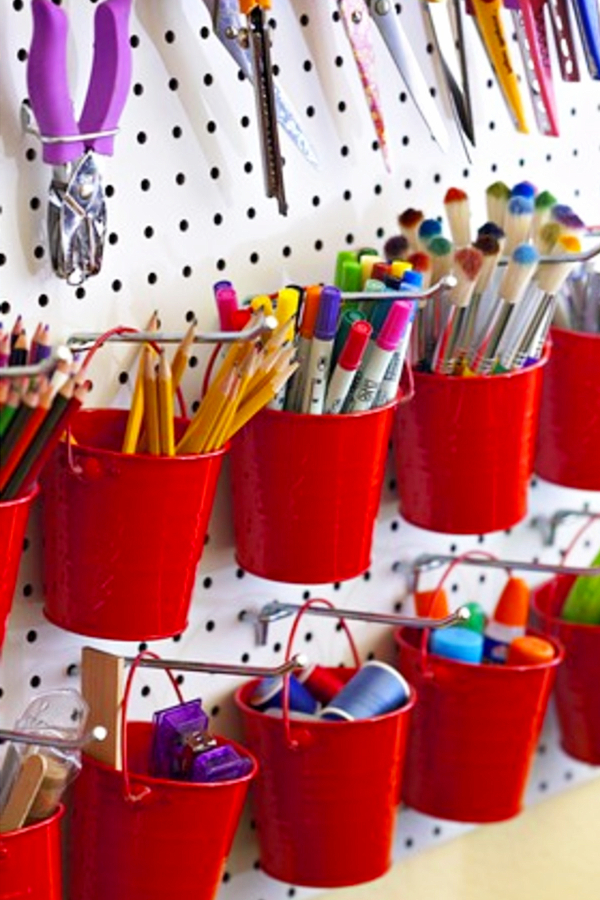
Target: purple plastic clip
[(174, 732), (220, 764)]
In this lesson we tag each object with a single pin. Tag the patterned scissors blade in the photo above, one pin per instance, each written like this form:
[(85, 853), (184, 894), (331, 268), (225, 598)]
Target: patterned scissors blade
[(357, 22), (453, 66), (385, 17), (228, 27), (259, 39), (530, 27), (488, 18)]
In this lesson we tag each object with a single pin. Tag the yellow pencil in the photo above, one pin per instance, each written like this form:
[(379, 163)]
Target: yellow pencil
[(180, 359), (151, 406), (260, 399), (197, 433), (165, 407), (271, 365), (136, 411), (219, 434)]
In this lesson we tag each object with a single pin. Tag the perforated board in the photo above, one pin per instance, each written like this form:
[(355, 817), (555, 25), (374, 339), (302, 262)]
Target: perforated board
[(186, 206)]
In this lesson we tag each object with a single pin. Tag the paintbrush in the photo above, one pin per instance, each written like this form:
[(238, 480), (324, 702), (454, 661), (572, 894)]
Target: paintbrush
[(456, 205), (409, 222), (497, 196), (517, 224), (467, 266)]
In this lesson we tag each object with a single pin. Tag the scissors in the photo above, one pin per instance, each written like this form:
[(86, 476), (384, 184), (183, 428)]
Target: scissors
[(228, 27), (76, 207)]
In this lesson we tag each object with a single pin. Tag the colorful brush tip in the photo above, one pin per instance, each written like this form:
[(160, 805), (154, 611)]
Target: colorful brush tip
[(396, 247), (468, 260), (499, 190), (548, 236), (525, 255), (565, 217), (410, 218), (545, 200), (524, 189), (490, 229), (440, 246), (428, 229), (455, 195), (520, 206), (487, 244), (421, 262)]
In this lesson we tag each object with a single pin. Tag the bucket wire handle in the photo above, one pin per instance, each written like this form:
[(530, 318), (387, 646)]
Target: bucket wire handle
[(408, 392), (128, 794), (468, 554), (75, 469), (292, 743), (592, 517)]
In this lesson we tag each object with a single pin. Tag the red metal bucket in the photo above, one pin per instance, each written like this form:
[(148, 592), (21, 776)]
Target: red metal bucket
[(569, 433), (326, 810), (30, 861), (123, 537), (474, 732), (464, 450), (173, 842), (577, 680), (306, 492), (13, 521)]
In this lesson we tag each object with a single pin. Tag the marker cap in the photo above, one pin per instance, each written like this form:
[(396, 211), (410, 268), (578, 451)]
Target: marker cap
[(395, 324), (513, 606), (227, 303), (327, 316), (477, 618), (457, 643), (356, 343), (411, 278), (432, 604), (529, 651), (351, 276), (310, 308), (380, 270)]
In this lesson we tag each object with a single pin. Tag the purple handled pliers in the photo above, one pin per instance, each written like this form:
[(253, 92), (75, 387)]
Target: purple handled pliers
[(77, 208)]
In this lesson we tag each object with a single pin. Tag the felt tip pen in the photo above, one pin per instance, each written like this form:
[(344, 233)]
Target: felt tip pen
[(310, 308), (347, 365), (321, 348), (286, 310), (370, 376), (388, 389)]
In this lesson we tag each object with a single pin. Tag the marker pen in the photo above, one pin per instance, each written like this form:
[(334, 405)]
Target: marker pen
[(388, 387), (288, 299), (310, 308), (321, 347), (347, 320), (347, 365), (227, 303), (370, 375)]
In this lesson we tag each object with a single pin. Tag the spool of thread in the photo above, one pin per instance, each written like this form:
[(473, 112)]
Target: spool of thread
[(477, 618), (529, 651), (322, 683), (456, 643), (269, 693), (374, 690), (431, 604)]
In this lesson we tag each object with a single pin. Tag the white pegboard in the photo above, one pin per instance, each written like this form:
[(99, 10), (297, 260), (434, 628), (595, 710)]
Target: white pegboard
[(186, 207)]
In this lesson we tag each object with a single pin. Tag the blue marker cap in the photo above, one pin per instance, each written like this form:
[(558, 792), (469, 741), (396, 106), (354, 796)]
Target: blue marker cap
[(412, 279), (327, 316), (457, 643), (524, 189), (521, 206), (429, 228)]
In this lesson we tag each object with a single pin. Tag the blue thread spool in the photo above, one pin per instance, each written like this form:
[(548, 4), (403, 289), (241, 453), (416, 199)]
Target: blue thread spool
[(461, 644), (269, 693), (377, 688)]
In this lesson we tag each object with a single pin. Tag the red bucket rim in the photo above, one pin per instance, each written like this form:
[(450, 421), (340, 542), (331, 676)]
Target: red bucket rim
[(88, 449), (559, 654), (22, 499), (321, 724), (361, 414), (35, 826), (551, 617), (136, 778), (586, 336)]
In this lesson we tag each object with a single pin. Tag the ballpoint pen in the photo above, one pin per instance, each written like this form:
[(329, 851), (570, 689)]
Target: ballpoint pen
[(259, 41), (488, 17), (227, 25), (77, 208), (451, 51), (386, 18), (357, 23)]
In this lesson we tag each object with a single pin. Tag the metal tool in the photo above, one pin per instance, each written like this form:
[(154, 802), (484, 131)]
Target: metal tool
[(588, 20), (229, 28), (530, 27), (383, 13), (357, 23), (258, 36), (76, 209), (451, 52), (563, 38)]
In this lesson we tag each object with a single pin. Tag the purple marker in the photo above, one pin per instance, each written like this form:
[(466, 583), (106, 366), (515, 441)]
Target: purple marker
[(321, 348)]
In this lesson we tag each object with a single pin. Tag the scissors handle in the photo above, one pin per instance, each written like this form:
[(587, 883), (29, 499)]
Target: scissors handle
[(47, 82), (111, 74)]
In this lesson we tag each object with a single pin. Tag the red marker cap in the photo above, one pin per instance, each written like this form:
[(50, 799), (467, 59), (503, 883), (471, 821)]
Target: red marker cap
[(355, 346), (380, 270)]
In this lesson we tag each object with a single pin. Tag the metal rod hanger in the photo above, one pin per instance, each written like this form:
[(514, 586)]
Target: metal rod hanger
[(448, 281), (431, 561), (276, 610), (44, 740), (583, 256), (547, 525), (299, 661)]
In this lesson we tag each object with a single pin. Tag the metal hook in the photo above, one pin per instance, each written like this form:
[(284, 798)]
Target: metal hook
[(547, 525), (44, 740), (275, 610), (298, 661), (447, 281)]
